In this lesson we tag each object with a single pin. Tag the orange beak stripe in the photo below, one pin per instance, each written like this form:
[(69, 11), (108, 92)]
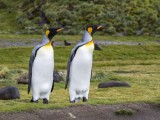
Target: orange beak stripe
[(60, 29), (99, 27)]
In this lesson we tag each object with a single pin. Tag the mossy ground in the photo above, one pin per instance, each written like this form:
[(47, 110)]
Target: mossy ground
[(139, 65)]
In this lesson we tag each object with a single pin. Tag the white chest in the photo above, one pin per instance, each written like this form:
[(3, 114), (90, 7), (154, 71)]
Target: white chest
[(81, 65), (43, 65), (85, 52)]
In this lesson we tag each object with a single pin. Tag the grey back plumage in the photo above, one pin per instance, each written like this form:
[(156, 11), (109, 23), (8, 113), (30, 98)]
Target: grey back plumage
[(85, 39), (32, 58)]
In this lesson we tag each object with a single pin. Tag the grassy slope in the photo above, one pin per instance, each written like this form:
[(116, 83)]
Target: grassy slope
[(8, 21), (8, 17), (138, 65)]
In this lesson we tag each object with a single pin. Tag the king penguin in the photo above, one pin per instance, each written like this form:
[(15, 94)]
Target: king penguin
[(80, 66), (41, 67)]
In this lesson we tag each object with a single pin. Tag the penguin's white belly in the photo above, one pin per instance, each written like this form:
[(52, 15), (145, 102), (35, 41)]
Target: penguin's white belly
[(42, 72), (80, 70)]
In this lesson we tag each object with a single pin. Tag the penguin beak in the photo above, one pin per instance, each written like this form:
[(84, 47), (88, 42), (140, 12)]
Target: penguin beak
[(59, 29), (99, 27)]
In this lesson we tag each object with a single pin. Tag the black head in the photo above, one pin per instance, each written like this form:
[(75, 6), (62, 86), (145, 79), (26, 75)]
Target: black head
[(52, 32), (93, 28)]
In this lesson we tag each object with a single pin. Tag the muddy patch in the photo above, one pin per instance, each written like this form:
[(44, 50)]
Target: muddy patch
[(140, 111)]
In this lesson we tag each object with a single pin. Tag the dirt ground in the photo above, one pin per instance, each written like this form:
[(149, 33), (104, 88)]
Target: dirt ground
[(141, 111), (7, 43)]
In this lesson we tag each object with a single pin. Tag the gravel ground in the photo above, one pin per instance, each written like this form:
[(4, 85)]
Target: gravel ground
[(6, 43), (141, 111)]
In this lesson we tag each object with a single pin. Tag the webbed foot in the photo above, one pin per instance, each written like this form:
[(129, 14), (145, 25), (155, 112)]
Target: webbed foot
[(45, 101), (85, 99)]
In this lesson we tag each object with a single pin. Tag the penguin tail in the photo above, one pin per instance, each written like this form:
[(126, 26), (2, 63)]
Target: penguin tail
[(65, 86), (29, 89)]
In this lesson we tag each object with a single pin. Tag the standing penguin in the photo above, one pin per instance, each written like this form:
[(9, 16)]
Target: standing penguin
[(41, 66), (80, 66)]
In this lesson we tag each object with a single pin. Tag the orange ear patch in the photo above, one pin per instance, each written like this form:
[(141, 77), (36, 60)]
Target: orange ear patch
[(47, 32), (90, 30)]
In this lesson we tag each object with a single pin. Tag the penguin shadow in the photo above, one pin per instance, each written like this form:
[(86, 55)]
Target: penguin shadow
[(24, 101), (66, 43), (96, 47)]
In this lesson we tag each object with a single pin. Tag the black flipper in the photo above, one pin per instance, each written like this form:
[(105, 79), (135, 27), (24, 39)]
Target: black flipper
[(52, 86), (53, 71)]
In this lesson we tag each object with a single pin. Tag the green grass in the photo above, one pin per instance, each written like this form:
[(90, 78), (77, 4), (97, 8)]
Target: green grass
[(137, 65), (114, 55), (124, 112), (8, 20)]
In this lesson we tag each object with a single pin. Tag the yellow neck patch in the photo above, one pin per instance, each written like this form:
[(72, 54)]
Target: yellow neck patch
[(48, 45), (89, 43), (47, 32), (90, 30)]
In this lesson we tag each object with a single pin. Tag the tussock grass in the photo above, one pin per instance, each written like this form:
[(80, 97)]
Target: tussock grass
[(137, 65), (8, 20), (3, 73), (124, 112)]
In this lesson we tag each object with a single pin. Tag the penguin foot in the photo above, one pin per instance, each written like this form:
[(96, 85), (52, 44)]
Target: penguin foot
[(73, 101), (34, 101), (45, 101), (85, 99), (77, 99), (31, 100)]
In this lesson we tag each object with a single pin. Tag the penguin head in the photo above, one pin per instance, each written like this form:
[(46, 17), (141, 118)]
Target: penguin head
[(52, 32), (93, 28)]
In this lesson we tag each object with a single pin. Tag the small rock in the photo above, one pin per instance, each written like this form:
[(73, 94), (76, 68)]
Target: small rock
[(96, 47), (113, 84), (9, 93), (23, 79), (57, 76), (71, 115), (67, 43)]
